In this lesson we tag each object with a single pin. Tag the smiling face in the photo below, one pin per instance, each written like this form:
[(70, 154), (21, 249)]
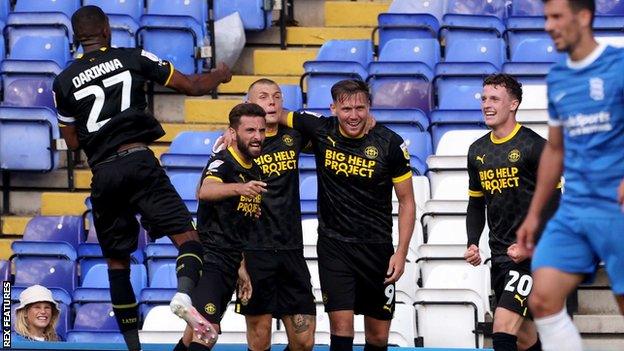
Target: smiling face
[(498, 106), (39, 316), (352, 112), (269, 97)]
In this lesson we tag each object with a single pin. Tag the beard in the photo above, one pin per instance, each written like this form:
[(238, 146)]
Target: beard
[(244, 149)]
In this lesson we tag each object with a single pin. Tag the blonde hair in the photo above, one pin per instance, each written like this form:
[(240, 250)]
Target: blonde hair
[(49, 333)]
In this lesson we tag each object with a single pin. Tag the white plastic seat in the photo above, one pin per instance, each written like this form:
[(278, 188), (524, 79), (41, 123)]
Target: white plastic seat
[(162, 326), (457, 142), (449, 185), (310, 237)]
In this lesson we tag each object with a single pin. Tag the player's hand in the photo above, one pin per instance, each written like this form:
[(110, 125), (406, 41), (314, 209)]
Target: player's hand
[(517, 254), (525, 234), (222, 142), (620, 194), (244, 288), (223, 71), (369, 123), (252, 188), (472, 255), (396, 267)]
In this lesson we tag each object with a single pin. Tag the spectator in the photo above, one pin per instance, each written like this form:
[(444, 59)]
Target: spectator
[(37, 315)]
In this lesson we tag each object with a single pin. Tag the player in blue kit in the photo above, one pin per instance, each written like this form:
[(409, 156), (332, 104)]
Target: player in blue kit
[(586, 143)]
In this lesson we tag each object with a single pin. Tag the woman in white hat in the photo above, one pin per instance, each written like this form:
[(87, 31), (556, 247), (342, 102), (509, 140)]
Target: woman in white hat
[(37, 314)]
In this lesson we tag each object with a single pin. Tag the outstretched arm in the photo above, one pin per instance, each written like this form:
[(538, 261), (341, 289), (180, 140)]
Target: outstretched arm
[(200, 84)]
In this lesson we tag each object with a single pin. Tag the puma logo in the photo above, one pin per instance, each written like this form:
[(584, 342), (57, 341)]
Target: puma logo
[(517, 297), (481, 158), (242, 177), (386, 307), (332, 141)]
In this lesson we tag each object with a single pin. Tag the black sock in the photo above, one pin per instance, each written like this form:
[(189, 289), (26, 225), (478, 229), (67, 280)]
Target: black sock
[(180, 346), (504, 342), (371, 347), (125, 306), (341, 343), (536, 347), (189, 265), (195, 346)]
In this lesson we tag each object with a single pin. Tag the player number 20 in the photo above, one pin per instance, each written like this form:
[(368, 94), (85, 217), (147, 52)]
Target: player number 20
[(524, 283), (125, 78)]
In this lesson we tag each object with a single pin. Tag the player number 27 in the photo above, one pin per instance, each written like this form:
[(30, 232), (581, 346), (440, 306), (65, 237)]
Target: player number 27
[(524, 283), (125, 78)]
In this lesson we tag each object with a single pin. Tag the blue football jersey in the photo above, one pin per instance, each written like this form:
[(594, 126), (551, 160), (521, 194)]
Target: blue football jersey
[(585, 98)]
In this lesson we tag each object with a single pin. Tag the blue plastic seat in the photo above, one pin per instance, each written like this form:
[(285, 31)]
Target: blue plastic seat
[(41, 48), (497, 8), (95, 317), (407, 92), (527, 8), (406, 26), (360, 51), (535, 49), (400, 118), (81, 336), (162, 273), (39, 126), (130, 8), (433, 8), (609, 8), (186, 184), (476, 50), (95, 284), (320, 76), (172, 30), (47, 271), (459, 85), (426, 51), (151, 297), (308, 194), (5, 270), (291, 96), (28, 83), (157, 250), (252, 12), (66, 7), (439, 130), (5, 8), (419, 147), (460, 27), (41, 18), (190, 151), (55, 228)]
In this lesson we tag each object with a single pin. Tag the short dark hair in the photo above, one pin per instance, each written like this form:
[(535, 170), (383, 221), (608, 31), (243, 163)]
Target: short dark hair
[(265, 81), (578, 5), (87, 21), (245, 109), (349, 87), (513, 87)]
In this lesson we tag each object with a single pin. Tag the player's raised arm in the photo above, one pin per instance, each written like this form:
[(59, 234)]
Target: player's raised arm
[(200, 84), (548, 176)]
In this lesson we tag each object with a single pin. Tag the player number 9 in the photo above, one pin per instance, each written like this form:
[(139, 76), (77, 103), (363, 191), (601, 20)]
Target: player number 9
[(389, 292)]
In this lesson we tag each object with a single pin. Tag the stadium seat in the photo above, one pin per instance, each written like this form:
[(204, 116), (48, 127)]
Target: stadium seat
[(254, 15), (308, 192), (456, 142), (233, 327), (187, 185), (5, 270), (533, 8), (459, 85), (77, 336), (39, 126), (95, 284), (129, 8), (310, 237), (403, 85), (172, 30), (462, 276), (449, 185), (46, 18), (5, 8), (406, 286), (426, 51), (460, 27), (161, 326), (436, 307), (315, 280), (431, 256), (66, 7), (488, 50), (392, 26), (95, 317), (535, 49), (419, 148), (401, 119), (609, 8), (47, 271), (55, 228), (41, 48), (434, 8), (451, 229), (25, 91), (292, 97), (497, 8), (162, 273), (189, 151)]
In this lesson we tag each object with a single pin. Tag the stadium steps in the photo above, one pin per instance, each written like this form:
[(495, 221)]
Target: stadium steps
[(55, 203), (209, 111), (14, 225), (360, 14), (173, 129), (267, 62), (240, 83), (319, 35), (5, 248)]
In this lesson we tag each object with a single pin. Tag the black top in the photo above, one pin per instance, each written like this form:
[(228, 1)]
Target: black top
[(226, 224), (504, 172), (281, 211), (103, 95), (355, 178)]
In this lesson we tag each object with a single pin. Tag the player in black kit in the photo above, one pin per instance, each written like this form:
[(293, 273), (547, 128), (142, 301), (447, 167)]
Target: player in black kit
[(230, 194), (101, 106), (274, 255), (502, 168), (356, 174)]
